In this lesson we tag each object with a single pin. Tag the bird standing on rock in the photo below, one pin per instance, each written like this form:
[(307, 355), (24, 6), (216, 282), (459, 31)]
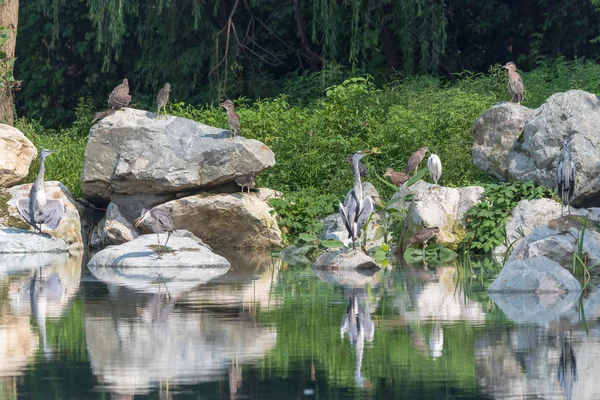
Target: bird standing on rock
[(232, 118), (516, 88), (37, 209), (434, 165), (398, 178), (424, 236), (162, 98), (159, 221), (120, 97), (565, 178), (245, 180), (415, 160)]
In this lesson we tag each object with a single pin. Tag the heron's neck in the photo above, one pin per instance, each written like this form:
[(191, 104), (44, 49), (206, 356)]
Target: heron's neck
[(357, 183), (40, 178)]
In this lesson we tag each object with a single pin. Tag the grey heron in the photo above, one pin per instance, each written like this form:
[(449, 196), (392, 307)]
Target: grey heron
[(516, 88), (232, 118), (362, 168), (565, 178), (159, 221), (37, 209), (120, 97), (162, 98), (398, 178), (356, 209), (434, 165), (415, 160)]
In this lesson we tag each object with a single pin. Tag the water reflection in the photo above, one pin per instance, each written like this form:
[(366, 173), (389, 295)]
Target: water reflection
[(567, 367)]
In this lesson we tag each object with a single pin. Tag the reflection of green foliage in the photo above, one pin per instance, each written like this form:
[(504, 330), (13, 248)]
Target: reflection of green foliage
[(435, 255)]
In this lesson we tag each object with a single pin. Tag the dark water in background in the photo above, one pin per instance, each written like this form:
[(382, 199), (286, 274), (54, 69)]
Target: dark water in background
[(263, 330)]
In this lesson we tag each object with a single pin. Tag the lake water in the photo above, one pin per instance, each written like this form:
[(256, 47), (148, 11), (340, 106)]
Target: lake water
[(264, 330)]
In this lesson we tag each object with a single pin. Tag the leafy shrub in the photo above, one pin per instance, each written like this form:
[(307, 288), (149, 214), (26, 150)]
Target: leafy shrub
[(486, 221)]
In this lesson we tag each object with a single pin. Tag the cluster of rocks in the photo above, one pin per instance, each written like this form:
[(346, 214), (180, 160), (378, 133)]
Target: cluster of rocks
[(135, 161)]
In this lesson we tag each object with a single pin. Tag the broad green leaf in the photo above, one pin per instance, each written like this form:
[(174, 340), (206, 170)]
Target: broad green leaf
[(331, 244), (417, 176), (307, 237)]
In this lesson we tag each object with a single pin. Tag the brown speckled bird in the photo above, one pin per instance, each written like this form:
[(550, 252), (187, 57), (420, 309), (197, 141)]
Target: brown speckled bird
[(397, 177), (415, 160), (423, 236), (245, 180), (232, 118), (103, 114), (120, 97), (162, 98), (516, 88), (362, 168)]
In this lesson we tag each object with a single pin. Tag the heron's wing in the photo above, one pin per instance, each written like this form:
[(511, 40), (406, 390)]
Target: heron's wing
[(515, 85), (162, 98), (559, 179), (119, 97), (572, 179), (53, 213), (23, 209), (165, 220), (347, 223), (234, 122), (366, 211)]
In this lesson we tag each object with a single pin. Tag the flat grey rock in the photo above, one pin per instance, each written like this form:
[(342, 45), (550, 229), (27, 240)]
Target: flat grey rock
[(184, 252), (344, 259), (14, 240), (534, 275)]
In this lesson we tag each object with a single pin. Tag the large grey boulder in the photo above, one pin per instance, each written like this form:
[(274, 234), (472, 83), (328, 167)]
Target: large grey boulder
[(133, 152), (534, 275), (443, 207), (344, 259), (183, 251), (14, 240), (533, 156), (495, 133), (16, 154), (113, 229), (69, 228), (228, 220)]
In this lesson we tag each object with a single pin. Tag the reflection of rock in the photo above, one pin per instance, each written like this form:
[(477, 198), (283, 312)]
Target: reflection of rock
[(537, 308), (344, 259), (13, 240), (18, 344), (10, 262), (135, 342), (534, 275)]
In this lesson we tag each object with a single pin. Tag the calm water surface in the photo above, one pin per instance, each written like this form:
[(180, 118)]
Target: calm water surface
[(263, 330)]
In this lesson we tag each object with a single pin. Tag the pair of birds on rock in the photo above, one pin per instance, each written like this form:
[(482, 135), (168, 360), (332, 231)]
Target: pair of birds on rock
[(120, 97), (434, 165)]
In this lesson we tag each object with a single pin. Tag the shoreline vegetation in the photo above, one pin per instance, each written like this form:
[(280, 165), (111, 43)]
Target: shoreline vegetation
[(311, 137)]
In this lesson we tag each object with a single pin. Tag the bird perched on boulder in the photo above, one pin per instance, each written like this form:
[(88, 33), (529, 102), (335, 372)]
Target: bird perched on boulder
[(232, 118), (245, 180), (37, 209), (424, 236), (565, 178), (398, 178), (103, 114), (120, 97), (162, 98), (362, 168), (159, 221), (415, 160), (516, 88), (434, 165)]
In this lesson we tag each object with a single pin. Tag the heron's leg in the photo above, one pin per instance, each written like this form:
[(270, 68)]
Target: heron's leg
[(166, 241)]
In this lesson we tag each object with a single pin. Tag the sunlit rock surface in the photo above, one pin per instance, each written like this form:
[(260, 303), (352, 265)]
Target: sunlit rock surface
[(183, 251), (533, 155), (16, 154), (133, 152), (69, 228), (443, 207), (344, 259), (534, 275), (13, 240)]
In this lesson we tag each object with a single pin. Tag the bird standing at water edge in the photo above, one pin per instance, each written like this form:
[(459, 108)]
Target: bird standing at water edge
[(120, 97), (37, 209), (565, 178), (516, 88), (232, 118), (356, 209), (159, 221), (415, 160), (434, 165), (162, 98)]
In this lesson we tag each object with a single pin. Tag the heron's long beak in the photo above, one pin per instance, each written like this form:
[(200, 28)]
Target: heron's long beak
[(141, 219)]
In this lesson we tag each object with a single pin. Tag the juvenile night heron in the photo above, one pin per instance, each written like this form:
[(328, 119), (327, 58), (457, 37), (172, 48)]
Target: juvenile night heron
[(516, 88), (424, 236), (37, 209), (415, 160), (362, 168), (398, 178), (245, 180), (356, 209), (120, 97), (159, 221), (434, 165), (162, 98), (565, 178), (232, 118)]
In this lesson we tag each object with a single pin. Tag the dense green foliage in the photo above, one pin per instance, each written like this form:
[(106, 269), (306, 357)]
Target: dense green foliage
[(208, 49)]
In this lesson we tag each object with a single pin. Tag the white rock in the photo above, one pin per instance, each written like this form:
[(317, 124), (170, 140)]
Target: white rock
[(16, 154), (14, 240)]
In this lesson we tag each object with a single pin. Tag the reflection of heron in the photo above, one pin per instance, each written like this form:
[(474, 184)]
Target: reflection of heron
[(358, 326), (37, 209), (159, 221), (565, 178), (436, 340), (356, 209), (567, 368), (434, 165)]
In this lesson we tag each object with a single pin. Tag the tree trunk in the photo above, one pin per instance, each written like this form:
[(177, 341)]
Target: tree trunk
[(314, 60), (389, 41), (9, 18)]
